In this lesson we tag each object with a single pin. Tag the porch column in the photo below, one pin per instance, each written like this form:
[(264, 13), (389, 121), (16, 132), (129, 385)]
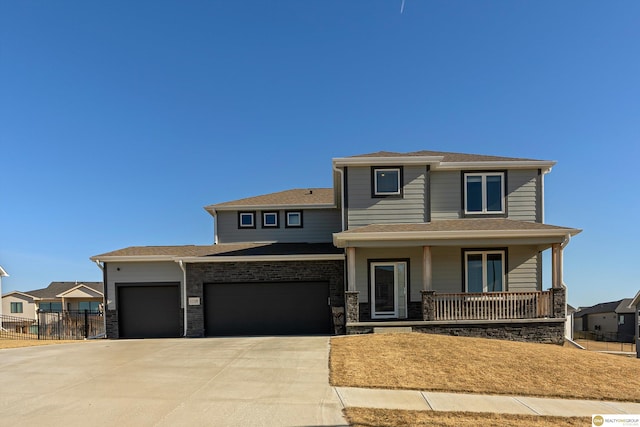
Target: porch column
[(427, 279), (351, 269)]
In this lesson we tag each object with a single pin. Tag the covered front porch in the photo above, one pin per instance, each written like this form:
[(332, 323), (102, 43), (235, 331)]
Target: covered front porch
[(470, 277)]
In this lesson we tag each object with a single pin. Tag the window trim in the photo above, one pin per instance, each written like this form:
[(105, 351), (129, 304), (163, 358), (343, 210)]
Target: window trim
[(485, 213), (277, 217), (286, 216), (15, 305), (484, 252), (253, 219), (374, 182)]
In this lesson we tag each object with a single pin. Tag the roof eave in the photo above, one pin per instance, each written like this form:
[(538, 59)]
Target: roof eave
[(498, 164), (437, 163), (341, 239), (132, 258), (269, 207), (384, 161)]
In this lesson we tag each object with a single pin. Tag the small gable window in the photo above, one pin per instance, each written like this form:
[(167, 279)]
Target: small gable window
[(246, 220), (294, 219), (387, 181), (270, 220)]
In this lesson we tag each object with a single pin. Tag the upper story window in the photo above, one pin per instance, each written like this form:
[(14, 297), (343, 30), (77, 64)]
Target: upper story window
[(246, 220), (484, 193), (294, 219), (386, 181), (16, 307), (484, 271), (270, 220)]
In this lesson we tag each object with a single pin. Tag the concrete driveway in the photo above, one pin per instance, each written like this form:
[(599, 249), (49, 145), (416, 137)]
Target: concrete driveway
[(257, 381)]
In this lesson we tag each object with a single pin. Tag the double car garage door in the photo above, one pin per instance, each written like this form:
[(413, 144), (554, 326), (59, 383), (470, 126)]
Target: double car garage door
[(280, 308)]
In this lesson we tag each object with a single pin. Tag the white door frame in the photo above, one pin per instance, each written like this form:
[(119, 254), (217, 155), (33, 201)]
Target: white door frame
[(398, 282)]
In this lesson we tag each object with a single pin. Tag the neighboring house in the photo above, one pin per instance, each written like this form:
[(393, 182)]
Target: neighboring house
[(428, 241), (635, 304), (57, 297), (610, 321), (3, 273)]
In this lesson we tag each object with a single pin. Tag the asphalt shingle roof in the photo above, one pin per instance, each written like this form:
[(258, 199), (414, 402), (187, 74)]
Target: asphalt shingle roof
[(295, 197), (226, 249), (447, 156), (56, 288), (620, 306)]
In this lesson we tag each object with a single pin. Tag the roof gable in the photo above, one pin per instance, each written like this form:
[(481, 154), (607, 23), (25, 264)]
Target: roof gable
[(81, 291)]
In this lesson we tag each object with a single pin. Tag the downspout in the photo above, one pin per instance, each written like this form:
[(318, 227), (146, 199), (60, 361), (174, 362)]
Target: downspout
[(213, 212), (184, 295), (563, 245)]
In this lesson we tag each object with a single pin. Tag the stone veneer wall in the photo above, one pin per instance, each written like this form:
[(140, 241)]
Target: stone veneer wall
[(249, 272), (538, 332), (111, 324)]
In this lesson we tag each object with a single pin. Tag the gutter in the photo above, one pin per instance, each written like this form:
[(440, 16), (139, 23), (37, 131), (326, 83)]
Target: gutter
[(184, 295)]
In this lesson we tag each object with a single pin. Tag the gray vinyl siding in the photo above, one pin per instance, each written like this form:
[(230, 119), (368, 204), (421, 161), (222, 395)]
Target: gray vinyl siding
[(318, 227), (524, 270), (363, 255), (362, 209), (446, 269), (139, 272), (523, 195), (446, 199)]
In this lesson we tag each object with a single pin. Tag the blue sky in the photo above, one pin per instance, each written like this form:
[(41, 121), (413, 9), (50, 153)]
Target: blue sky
[(120, 120)]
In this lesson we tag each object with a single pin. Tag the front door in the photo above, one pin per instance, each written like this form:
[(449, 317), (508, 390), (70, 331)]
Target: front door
[(388, 290)]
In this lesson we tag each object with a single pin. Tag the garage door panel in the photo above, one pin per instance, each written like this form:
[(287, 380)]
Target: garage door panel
[(283, 308), (149, 310)]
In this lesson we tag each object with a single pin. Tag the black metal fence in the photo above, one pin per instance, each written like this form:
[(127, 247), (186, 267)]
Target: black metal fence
[(604, 336), (66, 325)]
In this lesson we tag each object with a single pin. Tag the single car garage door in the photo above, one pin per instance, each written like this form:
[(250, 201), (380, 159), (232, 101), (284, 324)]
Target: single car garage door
[(149, 310), (283, 308)]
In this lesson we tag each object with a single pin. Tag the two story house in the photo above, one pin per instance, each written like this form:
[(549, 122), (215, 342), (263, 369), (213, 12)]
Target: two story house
[(427, 241)]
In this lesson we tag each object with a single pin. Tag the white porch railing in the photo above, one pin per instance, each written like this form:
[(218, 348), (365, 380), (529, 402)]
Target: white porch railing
[(493, 306)]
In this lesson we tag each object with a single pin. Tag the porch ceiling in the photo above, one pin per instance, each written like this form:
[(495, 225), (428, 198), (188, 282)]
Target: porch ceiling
[(494, 231)]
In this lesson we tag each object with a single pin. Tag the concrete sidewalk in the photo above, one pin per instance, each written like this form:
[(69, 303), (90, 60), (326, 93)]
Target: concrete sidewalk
[(435, 401)]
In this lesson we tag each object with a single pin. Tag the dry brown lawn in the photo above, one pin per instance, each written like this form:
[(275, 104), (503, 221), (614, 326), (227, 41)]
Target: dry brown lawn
[(474, 365), (7, 343), (364, 417)]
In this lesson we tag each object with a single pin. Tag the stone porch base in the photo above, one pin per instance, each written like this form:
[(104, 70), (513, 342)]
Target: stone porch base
[(547, 331)]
